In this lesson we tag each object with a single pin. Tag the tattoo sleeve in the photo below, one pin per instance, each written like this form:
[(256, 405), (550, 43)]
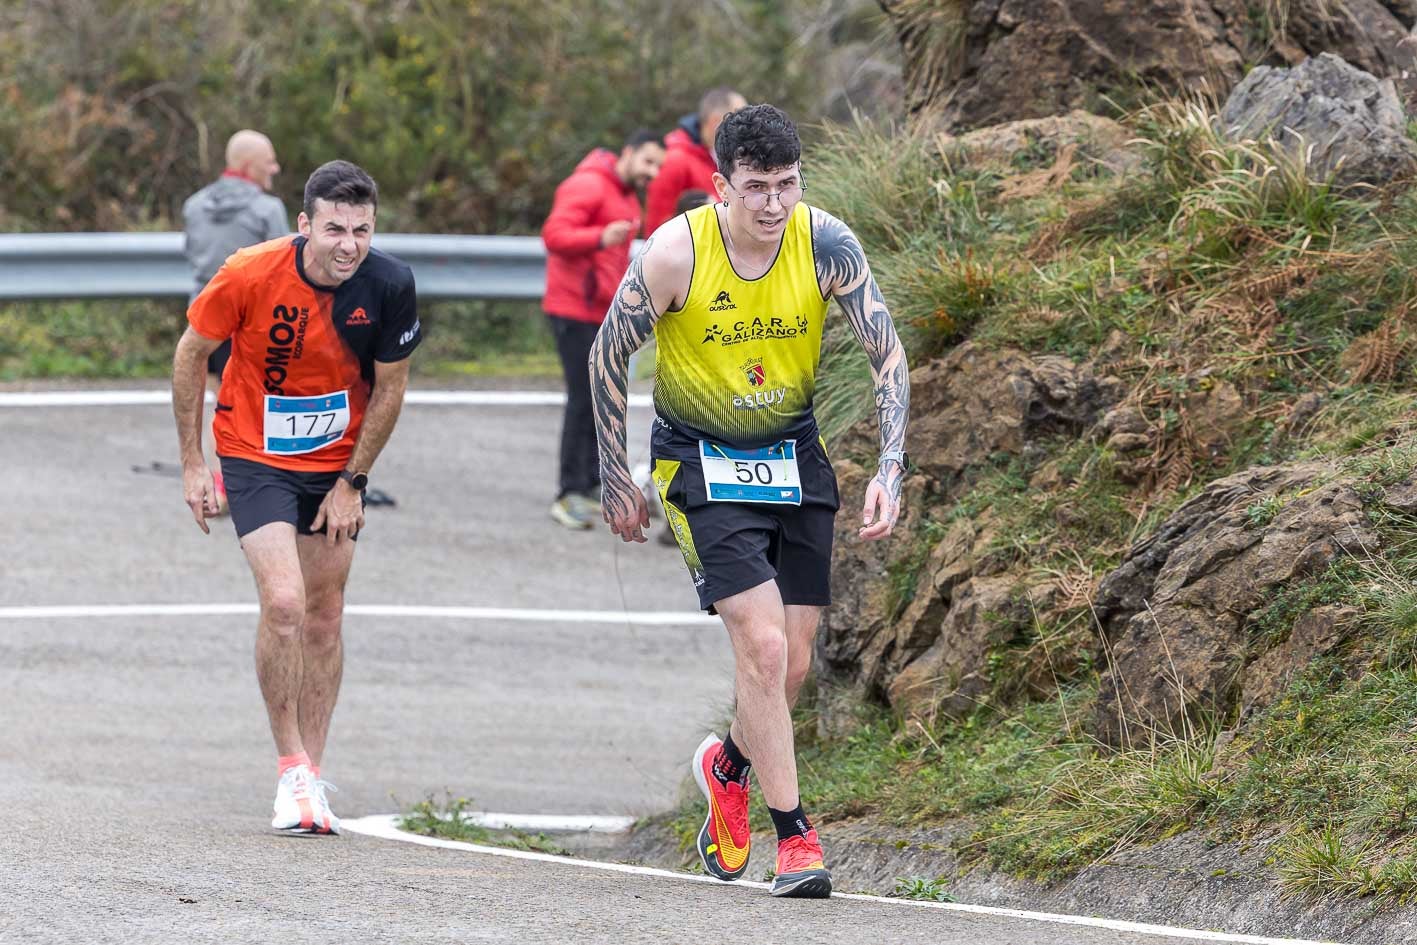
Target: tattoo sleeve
[(842, 271), (627, 327)]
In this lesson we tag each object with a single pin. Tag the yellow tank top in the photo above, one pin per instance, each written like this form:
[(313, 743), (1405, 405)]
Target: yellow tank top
[(738, 362)]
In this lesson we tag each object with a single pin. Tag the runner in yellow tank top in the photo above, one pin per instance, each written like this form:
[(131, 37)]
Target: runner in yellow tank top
[(738, 361), (736, 294)]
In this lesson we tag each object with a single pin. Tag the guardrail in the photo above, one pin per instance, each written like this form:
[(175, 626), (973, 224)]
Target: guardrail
[(151, 265)]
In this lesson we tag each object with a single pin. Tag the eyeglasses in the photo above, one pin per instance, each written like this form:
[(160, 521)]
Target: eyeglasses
[(787, 197)]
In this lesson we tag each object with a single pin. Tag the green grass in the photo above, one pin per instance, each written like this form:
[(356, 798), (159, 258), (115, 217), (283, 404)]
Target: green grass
[(923, 889), (446, 821), (88, 339), (135, 339)]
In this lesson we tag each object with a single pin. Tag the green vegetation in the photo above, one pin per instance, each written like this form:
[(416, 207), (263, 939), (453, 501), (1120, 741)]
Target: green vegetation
[(1218, 271), (447, 820), (135, 339), (918, 887), (468, 114)]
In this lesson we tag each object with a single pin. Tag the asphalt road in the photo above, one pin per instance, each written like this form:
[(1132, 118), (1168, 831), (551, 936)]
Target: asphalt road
[(136, 769)]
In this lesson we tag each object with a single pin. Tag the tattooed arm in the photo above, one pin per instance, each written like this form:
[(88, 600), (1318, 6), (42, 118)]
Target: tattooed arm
[(651, 286), (842, 271)]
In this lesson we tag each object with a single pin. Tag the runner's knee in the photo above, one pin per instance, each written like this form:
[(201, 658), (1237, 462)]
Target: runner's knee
[(764, 653), (323, 616), (799, 664), (283, 611)]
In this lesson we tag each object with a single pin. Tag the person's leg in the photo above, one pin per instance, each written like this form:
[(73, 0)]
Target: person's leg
[(563, 330), (271, 552), (802, 623), (580, 415), (762, 727), (325, 569)]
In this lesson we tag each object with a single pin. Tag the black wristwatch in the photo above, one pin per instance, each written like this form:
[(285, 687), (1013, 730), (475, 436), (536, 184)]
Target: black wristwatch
[(356, 479)]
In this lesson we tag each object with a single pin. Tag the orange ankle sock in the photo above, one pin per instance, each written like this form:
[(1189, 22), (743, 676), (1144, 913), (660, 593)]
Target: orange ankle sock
[(286, 762)]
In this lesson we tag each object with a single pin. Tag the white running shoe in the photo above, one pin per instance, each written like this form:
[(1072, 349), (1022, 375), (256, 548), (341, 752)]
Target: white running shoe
[(299, 806), (330, 819)]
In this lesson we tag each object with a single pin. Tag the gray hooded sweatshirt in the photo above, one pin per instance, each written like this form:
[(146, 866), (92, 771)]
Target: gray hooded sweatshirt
[(223, 217)]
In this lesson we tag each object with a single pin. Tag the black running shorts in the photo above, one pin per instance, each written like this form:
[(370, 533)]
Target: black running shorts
[(259, 494), (730, 547)]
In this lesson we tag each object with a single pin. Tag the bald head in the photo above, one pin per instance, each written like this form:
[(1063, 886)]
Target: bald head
[(251, 154), (712, 107)]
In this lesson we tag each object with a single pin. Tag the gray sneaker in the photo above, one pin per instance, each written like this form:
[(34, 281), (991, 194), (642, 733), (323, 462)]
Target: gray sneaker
[(571, 511), (590, 504)]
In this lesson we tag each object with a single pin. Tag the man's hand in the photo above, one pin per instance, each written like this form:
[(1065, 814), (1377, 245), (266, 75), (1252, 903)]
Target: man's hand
[(199, 490), (618, 232), (882, 507), (625, 510), (341, 513)]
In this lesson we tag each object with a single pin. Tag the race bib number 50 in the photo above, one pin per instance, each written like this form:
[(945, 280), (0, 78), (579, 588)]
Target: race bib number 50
[(762, 475), (305, 424)]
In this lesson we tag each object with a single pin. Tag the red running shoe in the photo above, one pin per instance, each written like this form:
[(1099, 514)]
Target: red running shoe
[(800, 872), (724, 840)]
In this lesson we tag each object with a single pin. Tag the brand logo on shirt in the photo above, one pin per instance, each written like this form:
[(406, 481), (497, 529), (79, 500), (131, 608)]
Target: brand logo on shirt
[(722, 302), (755, 329), (759, 399), (753, 368), (358, 317), (287, 340), (409, 335)]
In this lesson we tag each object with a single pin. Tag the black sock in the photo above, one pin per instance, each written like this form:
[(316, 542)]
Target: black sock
[(790, 823), (730, 765)]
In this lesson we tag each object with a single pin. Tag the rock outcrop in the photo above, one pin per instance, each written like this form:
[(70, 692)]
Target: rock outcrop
[(981, 62), (1097, 142), (1173, 614), (1342, 122), (967, 409)]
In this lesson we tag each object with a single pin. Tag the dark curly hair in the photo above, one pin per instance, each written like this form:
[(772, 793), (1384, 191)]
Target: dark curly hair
[(760, 136)]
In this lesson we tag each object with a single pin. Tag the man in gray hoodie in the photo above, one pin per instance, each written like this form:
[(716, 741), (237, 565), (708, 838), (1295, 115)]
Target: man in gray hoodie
[(233, 212)]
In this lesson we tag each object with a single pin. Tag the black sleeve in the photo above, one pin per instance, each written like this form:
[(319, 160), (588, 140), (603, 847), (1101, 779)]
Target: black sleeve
[(400, 332)]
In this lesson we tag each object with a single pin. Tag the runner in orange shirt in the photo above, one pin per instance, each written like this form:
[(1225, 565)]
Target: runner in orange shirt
[(321, 327)]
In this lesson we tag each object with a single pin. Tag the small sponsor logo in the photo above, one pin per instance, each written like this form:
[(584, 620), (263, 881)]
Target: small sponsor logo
[(753, 368), (756, 329), (722, 302), (357, 317), (411, 334), (759, 399)]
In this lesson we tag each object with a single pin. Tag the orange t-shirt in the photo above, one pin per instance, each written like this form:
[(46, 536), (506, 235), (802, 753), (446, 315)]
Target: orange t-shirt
[(302, 356)]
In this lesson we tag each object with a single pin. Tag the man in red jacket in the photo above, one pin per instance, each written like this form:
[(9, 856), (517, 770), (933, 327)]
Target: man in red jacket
[(594, 217), (689, 163)]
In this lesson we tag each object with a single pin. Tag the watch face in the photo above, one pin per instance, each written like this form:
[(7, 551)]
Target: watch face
[(359, 481)]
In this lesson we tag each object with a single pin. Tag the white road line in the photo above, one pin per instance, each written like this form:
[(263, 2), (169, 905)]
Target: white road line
[(657, 618), (551, 823), (383, 827), (130, 398)]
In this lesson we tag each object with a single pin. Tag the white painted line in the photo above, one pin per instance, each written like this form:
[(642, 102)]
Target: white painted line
[(129, 398), (552, 823), (383, 827), (656, 618)]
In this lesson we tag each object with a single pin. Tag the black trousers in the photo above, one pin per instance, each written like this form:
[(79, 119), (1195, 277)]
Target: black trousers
[(580, 459)]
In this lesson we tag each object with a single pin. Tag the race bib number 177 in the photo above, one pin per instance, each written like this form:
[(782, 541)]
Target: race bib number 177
[(305, 424)]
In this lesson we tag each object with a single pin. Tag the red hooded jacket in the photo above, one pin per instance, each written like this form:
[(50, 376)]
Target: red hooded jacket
[(581, 277), (688, 165)]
